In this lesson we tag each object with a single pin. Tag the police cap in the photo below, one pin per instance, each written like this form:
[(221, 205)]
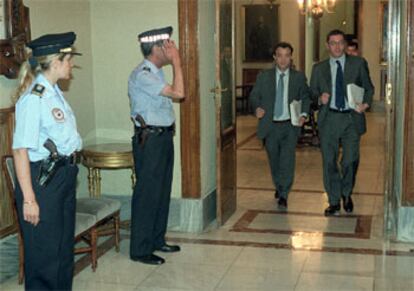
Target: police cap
[(53, 43), (155, 35)]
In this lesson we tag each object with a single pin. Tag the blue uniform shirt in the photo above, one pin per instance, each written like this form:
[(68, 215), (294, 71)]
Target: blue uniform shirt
[(46, 116), (145, 85)]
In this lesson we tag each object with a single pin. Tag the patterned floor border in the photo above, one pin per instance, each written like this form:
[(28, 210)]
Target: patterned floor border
[(362, 228)]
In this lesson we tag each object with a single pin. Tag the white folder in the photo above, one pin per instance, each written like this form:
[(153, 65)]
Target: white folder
[(295, 112), (355, 95)]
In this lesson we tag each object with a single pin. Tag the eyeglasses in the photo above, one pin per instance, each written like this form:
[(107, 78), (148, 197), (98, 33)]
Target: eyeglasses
[(334, 43)]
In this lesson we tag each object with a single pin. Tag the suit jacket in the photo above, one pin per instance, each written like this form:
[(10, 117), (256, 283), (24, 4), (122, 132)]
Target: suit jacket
[(356, 72), (264, 94)]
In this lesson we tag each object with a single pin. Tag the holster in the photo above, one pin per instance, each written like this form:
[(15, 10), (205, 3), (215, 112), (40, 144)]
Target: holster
[(48, 169), (142, 135)]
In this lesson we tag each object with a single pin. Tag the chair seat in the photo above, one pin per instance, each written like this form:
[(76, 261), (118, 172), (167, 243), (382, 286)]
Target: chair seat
[(99, 207), (84, 222)]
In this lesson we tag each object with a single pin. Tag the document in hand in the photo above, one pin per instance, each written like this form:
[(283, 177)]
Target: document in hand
[(355, 95), (295, 111)]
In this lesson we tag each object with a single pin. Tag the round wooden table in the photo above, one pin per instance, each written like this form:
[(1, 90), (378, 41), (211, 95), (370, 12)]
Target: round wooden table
[(111, 156)]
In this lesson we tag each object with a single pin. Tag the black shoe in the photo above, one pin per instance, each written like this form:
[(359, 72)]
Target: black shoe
[(347, 204), (282, 203), (168, 248), (149, 259), (276, 194), (332, 210)]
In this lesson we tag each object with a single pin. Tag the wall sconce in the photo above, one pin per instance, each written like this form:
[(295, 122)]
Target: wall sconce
[(316, 8)]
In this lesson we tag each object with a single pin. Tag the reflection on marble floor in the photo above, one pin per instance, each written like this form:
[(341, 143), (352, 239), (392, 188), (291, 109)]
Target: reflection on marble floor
[(260, 248)]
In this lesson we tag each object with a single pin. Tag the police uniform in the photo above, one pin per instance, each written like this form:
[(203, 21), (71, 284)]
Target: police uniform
[(42, 113), (154, 156)]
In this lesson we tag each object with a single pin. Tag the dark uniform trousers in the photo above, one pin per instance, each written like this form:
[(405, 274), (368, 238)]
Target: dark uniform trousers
[(280, 146), (48, 247), (339, 177), (151, 198)]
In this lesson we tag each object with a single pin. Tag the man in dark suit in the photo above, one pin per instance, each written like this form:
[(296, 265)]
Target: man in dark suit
[(274, 91), (338, 123)]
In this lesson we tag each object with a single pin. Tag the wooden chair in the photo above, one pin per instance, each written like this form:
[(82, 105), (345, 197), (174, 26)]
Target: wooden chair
[(85, 227), (106, 211), (8, 169)]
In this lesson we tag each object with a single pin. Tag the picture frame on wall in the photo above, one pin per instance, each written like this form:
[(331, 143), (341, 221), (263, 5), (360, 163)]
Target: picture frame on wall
[(383, 32), (261, 32)]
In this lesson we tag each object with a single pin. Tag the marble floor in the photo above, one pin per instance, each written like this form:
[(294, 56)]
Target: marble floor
[(261, 248)]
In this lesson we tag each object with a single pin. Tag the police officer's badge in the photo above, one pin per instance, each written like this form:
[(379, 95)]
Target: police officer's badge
[(38, 90), (58, 115)]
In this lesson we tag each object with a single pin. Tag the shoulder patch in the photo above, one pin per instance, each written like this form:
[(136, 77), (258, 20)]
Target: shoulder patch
[(146, 69), (38, 90)]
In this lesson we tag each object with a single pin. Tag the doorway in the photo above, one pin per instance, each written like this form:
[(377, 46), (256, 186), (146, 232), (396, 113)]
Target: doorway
[(308, 197)]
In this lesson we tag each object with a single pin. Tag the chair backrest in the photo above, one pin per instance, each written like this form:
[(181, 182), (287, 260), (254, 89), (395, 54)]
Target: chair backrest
[(10, 174), (8, 167)]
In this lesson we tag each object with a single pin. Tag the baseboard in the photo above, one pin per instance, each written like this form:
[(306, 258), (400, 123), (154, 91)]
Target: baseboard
[(192, 215), (405, 231), (186, 215)]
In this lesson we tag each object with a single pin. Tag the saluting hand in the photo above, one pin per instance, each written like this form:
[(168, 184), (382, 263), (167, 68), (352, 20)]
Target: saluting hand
[(171, 52), (31, 212), (260, 112)]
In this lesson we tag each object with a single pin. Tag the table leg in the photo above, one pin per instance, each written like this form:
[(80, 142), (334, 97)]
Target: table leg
[(97, 182), (91, 182)]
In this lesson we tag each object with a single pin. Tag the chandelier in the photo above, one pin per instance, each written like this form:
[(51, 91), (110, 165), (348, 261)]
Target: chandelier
[(316, 8)]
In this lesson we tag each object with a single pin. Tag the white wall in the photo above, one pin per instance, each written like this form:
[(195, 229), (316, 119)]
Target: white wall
[(107, 36), (115, 26), (7, 87)]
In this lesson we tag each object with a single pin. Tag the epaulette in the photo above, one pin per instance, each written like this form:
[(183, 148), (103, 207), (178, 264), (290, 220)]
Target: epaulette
[(38, 90), (146, 69)]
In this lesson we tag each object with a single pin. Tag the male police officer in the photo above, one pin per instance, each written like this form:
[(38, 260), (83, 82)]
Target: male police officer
[(152, 112)]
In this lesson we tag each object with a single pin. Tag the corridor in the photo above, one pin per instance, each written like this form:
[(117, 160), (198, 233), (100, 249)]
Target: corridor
[(261, 248)]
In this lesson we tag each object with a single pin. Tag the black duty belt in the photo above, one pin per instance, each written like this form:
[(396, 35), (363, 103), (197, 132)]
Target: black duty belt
[(340, 111), (70, 160), (281, 121), (155, 129), (64, 160)]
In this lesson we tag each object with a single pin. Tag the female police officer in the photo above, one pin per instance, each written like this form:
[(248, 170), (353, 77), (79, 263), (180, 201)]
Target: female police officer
[(46, 212)]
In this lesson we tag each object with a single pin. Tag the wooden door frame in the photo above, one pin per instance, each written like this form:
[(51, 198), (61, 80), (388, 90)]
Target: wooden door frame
[(190, 107)]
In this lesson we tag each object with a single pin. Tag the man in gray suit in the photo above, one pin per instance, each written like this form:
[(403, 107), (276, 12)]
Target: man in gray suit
[(274, 91), (338, 123)]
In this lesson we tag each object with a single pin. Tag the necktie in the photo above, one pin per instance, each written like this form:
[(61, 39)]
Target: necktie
[(339, 87), (278, 109)]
